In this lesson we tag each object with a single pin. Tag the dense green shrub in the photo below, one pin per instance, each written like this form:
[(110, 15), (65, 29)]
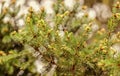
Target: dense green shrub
[(74, 53)]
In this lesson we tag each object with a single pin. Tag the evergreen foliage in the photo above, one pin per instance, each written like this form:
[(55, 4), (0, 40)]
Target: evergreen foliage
[(74, 54)]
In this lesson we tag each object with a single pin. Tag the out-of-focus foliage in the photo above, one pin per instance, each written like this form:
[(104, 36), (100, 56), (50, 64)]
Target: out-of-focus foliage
[(107, 2), (10, 50), (7, 27), (79, 51)]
